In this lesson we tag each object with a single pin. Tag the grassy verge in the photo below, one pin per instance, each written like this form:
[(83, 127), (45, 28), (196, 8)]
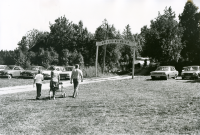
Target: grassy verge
[(136, 106)]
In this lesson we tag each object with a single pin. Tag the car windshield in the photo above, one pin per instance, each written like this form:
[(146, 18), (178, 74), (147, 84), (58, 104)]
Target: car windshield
[(162, 69), (192, 69), (69, 68)]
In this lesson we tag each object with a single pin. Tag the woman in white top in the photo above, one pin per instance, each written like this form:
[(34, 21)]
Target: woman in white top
[(38, 81), (54, 83)]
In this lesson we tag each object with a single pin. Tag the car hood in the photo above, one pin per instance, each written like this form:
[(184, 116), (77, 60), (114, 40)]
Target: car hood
[(30, 71), (46, 72), (159, 71), (66, 72), (190, 71)]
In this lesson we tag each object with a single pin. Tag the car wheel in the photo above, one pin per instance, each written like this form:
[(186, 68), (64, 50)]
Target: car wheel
[(9, 76), (64, 95), (175, 77), (167, 77), (153, 77)]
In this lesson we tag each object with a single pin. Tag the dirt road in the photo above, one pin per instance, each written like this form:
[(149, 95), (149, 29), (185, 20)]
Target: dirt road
[(16, 89)]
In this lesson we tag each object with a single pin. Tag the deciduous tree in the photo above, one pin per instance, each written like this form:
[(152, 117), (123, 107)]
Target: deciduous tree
[(163, 38)]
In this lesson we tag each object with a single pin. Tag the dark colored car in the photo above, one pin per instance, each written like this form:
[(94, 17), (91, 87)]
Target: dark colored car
[(32, 71), (11, 71)]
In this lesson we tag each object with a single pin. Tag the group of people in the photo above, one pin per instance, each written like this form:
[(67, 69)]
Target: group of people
[(76, 77)]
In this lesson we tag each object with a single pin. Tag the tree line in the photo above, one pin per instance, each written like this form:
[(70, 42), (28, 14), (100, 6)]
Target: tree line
[(166, 41)]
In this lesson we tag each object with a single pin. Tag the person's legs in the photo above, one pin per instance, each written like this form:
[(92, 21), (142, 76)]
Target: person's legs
[(39, 86), (55, 87), (76, 84)]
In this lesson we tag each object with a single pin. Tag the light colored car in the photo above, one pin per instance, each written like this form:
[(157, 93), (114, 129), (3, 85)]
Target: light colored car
[(3, 67), (32, 71), (47, 73), (12, 71), (164, 72), (140, 61), (191, 72), (67, 73), (184, 68)]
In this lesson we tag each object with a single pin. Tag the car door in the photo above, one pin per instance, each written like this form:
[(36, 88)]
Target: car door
[(16, 71), (173, 71)]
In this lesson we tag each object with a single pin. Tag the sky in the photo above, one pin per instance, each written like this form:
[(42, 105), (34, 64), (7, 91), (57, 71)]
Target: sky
[(17, 17)]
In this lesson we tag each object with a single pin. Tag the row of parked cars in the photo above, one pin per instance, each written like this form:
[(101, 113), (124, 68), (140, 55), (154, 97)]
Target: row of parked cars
[(162, 72), (11, 71), (166, 72)]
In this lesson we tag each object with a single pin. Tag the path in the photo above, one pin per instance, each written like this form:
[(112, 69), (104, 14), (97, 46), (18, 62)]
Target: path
[(16, 89)]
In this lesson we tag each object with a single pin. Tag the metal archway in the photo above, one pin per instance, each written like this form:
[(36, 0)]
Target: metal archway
[(116, 41)]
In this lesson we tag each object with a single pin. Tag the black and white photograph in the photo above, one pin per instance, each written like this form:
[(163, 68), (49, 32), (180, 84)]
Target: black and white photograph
[(99, 67)]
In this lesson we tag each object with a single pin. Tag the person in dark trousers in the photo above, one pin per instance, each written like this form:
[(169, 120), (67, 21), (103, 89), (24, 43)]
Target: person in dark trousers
[(54, 82), (38, 81), (76, 76)]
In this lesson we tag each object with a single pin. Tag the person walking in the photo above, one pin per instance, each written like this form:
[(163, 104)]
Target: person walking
[(38, 81), (54, 82), (75, 78)]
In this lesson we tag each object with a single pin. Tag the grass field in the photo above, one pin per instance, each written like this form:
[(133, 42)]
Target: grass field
[(4, 82), (136, 106)]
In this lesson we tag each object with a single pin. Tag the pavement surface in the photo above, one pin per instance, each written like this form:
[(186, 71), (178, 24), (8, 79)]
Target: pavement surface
[(16, 89)]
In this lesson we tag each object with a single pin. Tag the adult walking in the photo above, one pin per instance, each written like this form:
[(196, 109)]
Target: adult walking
[(38, 81), (76, 76), (54, 82)]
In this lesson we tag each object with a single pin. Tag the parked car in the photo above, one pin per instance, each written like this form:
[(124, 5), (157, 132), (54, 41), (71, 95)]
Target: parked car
[(184, 68), (67, 73), (11, 71), (141, 60), (164, 72), (47, 73), (191, 72), (3, 67), (32, 71)]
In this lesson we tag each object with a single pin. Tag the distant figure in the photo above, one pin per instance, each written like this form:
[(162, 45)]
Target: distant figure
[(54, 82), (145, 63), (38, 81), (76, 76)]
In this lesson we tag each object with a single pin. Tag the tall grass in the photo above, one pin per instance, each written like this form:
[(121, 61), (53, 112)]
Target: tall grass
[(90, 71)]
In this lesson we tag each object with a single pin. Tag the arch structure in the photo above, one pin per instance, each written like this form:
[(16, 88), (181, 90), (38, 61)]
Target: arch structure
[(116, 41)]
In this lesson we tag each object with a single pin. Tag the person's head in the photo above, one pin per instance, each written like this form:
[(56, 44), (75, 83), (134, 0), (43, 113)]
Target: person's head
[(76, 66), (39, 71), (53, 68)]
